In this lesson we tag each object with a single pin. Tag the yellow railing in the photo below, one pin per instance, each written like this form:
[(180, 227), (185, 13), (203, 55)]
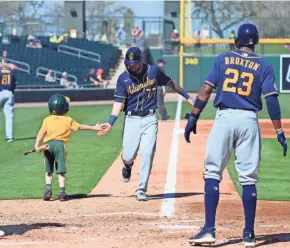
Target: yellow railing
[(187, 41)]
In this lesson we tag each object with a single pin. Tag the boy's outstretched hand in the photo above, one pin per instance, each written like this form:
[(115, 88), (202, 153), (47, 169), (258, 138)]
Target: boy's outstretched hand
[(99, 126)]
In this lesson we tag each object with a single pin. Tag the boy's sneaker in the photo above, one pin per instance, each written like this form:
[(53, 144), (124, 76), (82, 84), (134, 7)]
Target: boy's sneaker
[(47, 195), (63, 197)]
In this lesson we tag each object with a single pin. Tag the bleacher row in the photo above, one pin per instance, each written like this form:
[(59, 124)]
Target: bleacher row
[(48, 57)]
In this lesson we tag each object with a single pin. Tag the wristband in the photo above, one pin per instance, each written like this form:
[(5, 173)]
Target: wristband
[(184, 93), (280, 130), (112, 119), (199, 104)]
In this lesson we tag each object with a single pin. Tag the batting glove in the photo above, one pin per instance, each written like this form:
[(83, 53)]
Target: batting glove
[(282, 140), (190, 126)]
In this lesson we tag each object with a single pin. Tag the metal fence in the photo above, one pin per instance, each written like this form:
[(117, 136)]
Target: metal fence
[(269, 27), (95, 27)]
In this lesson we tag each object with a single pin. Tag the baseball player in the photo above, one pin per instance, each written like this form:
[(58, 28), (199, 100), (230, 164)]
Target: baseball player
[(136, 94), (161, 91), (7, 87), (239, 77), (55, 131)]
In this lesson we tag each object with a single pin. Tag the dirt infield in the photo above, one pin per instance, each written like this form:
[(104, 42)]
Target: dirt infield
[(111, 217)]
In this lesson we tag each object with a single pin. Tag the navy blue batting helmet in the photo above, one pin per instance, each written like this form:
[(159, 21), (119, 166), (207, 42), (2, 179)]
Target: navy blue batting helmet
[(133, 56), (248, 35)]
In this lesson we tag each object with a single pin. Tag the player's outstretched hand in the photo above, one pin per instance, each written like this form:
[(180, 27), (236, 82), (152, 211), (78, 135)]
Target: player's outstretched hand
[(190, 101), (105, 129), (283, 141), (190, 126)]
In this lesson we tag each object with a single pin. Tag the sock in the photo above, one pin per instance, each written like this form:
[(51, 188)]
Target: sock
[(48, 187), (211, 199), (62, 190), (249, 198)]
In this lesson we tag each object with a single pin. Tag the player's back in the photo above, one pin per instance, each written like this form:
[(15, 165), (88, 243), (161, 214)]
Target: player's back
[(6, 78), (58, 127), (240, 78)]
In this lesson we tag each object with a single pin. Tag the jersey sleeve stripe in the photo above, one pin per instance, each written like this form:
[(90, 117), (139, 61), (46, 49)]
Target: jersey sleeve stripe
[(120, 96), (211, 84), (169, 82), (272, 93)]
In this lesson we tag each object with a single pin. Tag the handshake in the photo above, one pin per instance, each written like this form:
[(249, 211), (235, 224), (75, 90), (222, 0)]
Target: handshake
[(102, 128), (99, 126)]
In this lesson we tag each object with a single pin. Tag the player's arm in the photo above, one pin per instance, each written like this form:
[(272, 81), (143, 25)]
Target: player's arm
[(201, 100), (270, 92), (97, 127), (39, 138), (164, 80), (120, 97)]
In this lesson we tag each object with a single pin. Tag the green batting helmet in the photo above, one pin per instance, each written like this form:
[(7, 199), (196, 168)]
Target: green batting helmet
[(58, 104)]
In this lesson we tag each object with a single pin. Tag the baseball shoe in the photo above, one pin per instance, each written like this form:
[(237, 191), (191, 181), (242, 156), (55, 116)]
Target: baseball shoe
[(205, 237), (47, 195), (126, 173), (2, 234), (141, 196), (63, 197), (249, 239), (9, 140)]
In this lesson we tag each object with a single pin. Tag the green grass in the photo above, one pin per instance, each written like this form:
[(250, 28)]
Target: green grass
[(209, 111), (274, 180), (89, 156)]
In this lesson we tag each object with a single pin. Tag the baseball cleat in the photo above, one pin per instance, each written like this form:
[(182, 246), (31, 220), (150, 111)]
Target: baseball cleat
[(249, 239), (126, 173), (47, 195), (205, 237), (9, 140), (63, 197), (141, 196)]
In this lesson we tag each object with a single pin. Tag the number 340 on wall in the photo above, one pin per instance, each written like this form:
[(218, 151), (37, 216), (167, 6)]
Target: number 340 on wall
[(191, 61)]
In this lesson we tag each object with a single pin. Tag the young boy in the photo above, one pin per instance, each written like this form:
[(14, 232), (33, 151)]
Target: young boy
[(55, 132)]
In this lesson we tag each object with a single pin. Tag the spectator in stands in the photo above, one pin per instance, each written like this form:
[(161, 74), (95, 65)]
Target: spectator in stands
[(65, 82), (197, 46), (175, 41), (5, 62), (4, 54), (121, 37), (91, 78), (49, 78), (63, 38), (15, 38), (104, 38), (232, 36), (97, 37), (52, 38), (100, 79), (32, 42), (137, 34)]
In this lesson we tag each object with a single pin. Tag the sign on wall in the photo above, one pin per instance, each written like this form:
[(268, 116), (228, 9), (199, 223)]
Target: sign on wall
[(285, 73)]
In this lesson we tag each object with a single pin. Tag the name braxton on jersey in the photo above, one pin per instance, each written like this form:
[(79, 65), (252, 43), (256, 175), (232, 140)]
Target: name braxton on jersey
[(242, 62), (133, 89)]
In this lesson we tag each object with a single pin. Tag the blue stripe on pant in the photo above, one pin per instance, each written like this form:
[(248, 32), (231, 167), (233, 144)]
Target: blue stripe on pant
[(140, 131)]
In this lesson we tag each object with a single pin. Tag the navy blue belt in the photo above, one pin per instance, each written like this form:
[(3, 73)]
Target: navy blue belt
[(140, 113)]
